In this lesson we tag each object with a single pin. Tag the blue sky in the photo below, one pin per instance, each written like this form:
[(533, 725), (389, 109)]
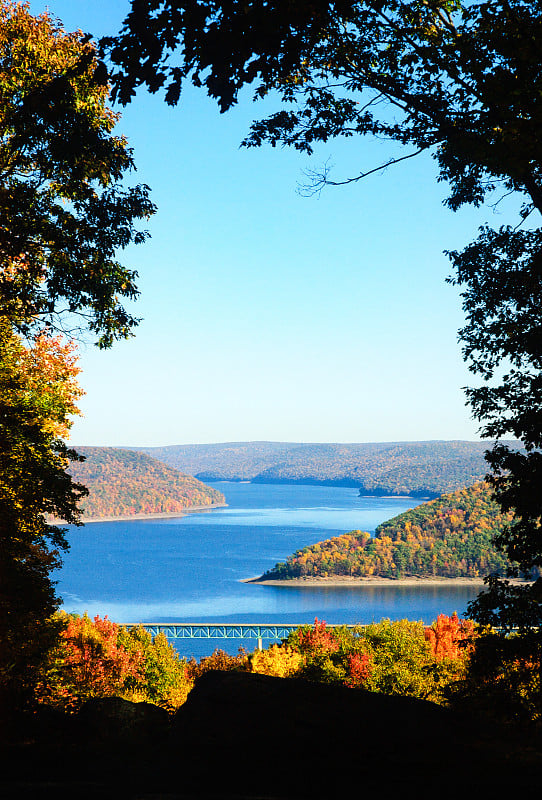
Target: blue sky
[(268, 315)]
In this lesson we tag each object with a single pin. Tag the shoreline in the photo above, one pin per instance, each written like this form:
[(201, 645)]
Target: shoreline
[(346, 580), (158, 515)]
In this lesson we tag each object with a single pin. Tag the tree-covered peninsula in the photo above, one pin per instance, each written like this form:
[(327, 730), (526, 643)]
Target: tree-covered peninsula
[(126, 482), (450, 537)]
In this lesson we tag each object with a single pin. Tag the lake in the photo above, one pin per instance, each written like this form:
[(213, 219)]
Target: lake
[(190, 569)]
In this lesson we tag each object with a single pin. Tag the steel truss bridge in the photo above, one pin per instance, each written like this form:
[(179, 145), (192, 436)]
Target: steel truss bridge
[(199, 630)]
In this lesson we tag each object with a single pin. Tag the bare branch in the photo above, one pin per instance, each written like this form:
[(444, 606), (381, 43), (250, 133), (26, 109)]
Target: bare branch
[(320, 179)]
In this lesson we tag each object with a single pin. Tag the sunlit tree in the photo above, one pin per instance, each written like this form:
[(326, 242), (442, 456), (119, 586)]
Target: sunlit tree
[(64, 214)]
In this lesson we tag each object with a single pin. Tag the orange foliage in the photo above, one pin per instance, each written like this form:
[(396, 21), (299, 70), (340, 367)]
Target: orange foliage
[(49, 369), (97, 665), (125, 482), (450, 637)]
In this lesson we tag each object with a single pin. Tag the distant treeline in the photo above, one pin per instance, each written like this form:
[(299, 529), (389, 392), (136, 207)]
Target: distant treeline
[(451, 537), (417, 469), (125, 482)]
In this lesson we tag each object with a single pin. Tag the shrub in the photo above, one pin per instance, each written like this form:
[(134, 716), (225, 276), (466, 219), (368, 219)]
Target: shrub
[(398, 657), (401, 658)]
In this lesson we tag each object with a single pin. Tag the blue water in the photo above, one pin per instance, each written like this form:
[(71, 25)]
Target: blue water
[(190, 569)]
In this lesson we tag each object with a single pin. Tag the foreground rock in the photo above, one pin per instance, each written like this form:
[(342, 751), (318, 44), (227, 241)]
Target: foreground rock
[(251, 736), (287, 737), (113, 721)]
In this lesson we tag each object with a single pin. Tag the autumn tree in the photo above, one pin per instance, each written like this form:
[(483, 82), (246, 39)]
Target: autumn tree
[(64, 214), (99, 658), (460, 81), (38, 392)]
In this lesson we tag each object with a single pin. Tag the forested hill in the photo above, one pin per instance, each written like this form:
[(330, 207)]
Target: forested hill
[(418, 469), (450, 537), (126, 482)]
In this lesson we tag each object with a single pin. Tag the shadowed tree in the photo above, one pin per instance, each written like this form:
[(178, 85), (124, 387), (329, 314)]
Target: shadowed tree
[(64, 214)]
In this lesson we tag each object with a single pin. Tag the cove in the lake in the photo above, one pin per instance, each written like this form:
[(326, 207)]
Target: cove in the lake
[(191, 569)]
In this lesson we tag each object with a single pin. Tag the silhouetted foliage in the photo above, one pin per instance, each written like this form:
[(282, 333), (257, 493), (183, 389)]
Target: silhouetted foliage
[(503, 680)]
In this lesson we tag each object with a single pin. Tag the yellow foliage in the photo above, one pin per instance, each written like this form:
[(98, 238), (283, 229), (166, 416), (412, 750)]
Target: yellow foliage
[(282, 662)]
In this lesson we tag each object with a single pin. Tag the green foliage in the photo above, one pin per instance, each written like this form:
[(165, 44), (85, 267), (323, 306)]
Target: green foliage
[(419, 469), (390, 657), (503, 682), (124, 482), (450, 537), (61, 194), (98, 658), (402, 659), (163, 678), (33, 484)]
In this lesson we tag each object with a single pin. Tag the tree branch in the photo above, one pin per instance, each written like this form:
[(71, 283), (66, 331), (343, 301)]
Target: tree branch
[(321, 178)]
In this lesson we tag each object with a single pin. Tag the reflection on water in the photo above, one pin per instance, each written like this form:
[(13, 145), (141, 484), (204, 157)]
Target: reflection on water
[(190, 569)]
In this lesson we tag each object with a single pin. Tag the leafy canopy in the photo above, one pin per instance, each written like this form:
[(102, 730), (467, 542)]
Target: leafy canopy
[(63, 209), (38, 393), (461, 81), (63, 215)]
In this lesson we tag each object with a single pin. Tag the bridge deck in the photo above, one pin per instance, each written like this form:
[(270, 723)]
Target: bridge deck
[(198, 630)]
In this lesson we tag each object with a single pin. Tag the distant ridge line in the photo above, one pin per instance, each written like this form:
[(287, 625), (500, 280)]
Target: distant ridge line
[(418, 468)]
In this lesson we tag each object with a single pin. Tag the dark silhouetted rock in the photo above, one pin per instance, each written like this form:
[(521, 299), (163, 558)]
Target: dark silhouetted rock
[(292, 736), (112, 719), (242, 736)]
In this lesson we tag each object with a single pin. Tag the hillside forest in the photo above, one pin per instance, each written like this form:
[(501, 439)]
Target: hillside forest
[(125, 482), (417, 469), (450, 537)]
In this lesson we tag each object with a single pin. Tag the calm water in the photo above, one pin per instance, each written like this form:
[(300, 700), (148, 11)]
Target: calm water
[(190, 569)]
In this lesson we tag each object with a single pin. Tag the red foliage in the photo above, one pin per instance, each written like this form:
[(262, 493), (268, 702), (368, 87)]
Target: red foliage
[(317, 638), (360, 666), (449, 637), (97, 664)]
